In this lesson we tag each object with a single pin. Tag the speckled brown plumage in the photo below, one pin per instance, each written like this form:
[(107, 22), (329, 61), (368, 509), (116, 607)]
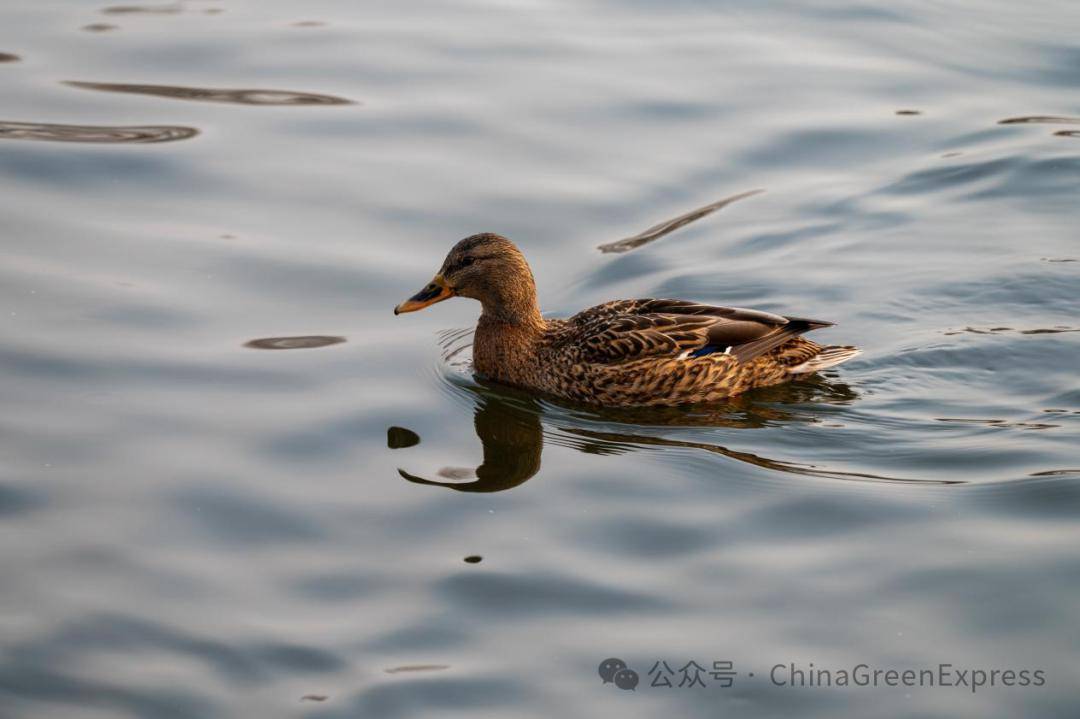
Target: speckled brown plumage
[(624, 353)]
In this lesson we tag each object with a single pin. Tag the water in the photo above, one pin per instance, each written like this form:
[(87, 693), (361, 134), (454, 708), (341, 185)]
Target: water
[(193, 526)]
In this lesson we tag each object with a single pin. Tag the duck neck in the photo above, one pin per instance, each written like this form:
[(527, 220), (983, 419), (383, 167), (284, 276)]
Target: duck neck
[(504, 346), (519, 309)]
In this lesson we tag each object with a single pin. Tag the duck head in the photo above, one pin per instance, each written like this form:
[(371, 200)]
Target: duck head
[(485, 267)]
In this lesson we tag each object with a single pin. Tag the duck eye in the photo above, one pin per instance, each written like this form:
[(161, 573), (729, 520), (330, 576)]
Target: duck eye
[(467, 260)]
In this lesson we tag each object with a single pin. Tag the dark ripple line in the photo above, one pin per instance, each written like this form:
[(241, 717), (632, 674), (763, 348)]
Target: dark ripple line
[(997, 330), (998, 423), (417, 668), (100, 134), (668, 226), (758, 460), (238, 96), (1040, 119)]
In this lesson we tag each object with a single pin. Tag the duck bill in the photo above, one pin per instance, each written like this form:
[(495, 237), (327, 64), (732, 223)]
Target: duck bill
[(435, 291)]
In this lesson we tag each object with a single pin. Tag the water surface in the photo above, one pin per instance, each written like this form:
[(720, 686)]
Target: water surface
[(196, 527)]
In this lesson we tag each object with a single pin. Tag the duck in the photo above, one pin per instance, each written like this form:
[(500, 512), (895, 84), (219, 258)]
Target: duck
[(623, 353)]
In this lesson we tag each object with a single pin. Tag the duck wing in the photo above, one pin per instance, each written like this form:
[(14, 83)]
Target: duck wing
[(627, 330)]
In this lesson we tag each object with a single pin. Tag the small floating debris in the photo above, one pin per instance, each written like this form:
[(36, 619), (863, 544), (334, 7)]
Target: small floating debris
[(100, 27), (206, 94), (102, 134), (314, 698), (9, 57), (473, 559), (657, 231), (400, 438), (1040, 119), (417, 668), (143, 9), (909, 112), (294, 343)]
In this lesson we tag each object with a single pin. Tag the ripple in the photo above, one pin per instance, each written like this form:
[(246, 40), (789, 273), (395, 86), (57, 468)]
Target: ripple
[(777, 465), (238, 519), (513, 426), (645, 537), (294, 343), (97, 134), (344, 586), (99, 27), (143, 10), (1000, 423), (1040, 119), (8, 57), (417, 668), (1055, 473), (206, 94), (440, 696), (1067, 133), (1049, 330), (668, 226), (522, 594), (455, 344), (1058, 329)]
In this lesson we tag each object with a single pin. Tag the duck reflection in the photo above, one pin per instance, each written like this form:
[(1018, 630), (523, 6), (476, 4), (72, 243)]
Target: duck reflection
[(513, 440), (512, 427)]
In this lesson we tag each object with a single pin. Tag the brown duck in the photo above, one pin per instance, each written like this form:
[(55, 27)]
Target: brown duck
[(624, 353)]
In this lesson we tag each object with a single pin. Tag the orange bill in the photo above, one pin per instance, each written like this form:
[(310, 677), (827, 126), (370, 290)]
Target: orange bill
[(435, 291)]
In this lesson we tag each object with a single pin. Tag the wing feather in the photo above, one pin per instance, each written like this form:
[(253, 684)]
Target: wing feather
[(627, 330)]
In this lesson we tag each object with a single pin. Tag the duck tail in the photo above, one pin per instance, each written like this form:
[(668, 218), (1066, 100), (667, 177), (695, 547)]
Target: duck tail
[(828, 357)]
